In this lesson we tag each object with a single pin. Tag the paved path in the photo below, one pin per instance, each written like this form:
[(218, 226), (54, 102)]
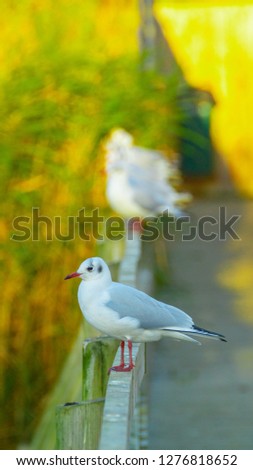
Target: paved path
[(201, 397)]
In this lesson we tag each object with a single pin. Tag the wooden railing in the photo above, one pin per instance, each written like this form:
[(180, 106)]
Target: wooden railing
[(122, 407)]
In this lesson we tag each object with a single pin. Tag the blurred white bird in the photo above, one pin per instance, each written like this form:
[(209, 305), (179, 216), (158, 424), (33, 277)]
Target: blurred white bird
[(138, 179), (120, 148), (127, 313)]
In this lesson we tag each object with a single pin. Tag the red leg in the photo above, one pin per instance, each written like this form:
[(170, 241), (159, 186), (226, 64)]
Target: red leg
[(122, 367), (131, 364), (134, 225), (122, 359)]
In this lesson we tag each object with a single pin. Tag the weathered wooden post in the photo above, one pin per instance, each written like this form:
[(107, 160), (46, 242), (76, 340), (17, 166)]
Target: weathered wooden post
[(78, 424)]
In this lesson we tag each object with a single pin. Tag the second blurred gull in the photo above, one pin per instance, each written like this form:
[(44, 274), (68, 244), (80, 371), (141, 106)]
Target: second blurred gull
[(139, 180)]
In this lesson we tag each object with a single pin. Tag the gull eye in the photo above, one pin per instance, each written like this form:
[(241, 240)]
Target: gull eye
[(90, 268)]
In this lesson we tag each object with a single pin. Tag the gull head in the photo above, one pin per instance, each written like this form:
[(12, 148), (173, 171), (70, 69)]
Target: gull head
[(119, 138), (91, 269)]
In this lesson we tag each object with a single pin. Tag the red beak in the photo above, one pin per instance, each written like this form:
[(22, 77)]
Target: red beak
[(69, 276)]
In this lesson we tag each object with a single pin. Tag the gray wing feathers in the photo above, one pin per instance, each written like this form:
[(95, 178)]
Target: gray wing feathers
[(144, 195), (151, 314)]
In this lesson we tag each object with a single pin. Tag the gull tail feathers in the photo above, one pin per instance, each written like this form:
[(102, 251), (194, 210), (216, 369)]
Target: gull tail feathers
[(181, 333), (212, 334)]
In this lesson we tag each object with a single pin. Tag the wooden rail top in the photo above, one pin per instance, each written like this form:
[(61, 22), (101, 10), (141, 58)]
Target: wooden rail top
[(121, 396)]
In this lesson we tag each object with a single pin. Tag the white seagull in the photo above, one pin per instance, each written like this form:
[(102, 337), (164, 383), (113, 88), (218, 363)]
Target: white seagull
[(129, 314), (139, 179), (120, 147), (134, 192)]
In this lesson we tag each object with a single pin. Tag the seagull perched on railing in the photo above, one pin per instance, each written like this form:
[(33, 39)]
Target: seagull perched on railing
[(120, 147), (139, 180), (129, 314)]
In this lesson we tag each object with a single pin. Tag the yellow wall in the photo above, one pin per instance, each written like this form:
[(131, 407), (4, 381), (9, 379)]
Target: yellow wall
[(213, 45)]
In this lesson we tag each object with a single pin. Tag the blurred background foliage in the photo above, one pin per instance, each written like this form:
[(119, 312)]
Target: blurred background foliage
[(68, 74)]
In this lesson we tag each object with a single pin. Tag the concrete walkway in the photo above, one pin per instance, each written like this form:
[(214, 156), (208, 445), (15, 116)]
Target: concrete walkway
[(201, 397)]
